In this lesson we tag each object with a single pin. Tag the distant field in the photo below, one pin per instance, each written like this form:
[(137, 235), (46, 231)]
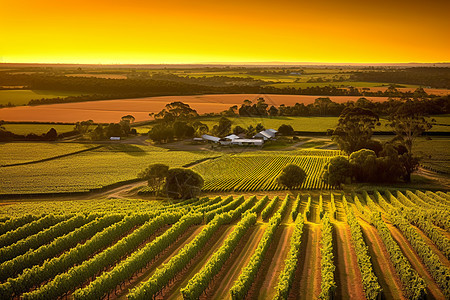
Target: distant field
[(22, 97), (24, 129), (435, 153), (112, 110), (13, 153), (338, 84), (107, 76)]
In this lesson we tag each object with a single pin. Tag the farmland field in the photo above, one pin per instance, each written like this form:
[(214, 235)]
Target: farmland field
[(305, 246), (16, 153), (22, 97), (24, 129), (311, 124), (107, 111), (258, 171), (88, 170)]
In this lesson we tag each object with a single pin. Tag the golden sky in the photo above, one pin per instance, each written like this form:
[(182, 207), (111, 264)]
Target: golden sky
[(202, 31)]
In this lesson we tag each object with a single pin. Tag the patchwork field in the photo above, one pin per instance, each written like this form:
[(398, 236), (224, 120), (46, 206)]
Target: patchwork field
[(392, 245), (22, 97), (112, 110)]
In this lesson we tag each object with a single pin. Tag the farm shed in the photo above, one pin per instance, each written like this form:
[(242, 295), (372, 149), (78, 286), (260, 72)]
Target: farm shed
[(114, 138), (244, 142), (266, 134), (210, 138), (232, 137)]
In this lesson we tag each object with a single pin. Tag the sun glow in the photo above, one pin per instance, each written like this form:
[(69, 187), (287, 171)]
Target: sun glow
[(201, 31)]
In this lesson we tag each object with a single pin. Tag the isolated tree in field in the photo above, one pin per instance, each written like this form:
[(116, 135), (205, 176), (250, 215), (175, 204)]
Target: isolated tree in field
[(355, 129), (128, 118), (183, 183), (292, 176), (286, 129), (337, 171), (409, 121), (155, 175)]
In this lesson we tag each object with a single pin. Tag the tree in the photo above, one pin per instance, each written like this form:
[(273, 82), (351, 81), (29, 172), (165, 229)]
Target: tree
[(364, 165), (183, 183), (83, 126), (355, 129), (286, 129), (292, 176), (51, 134), (337, 171), (259, 127), (176, 111), (409, 121), (389, 165), (223, 128), (128, 118), (200, 128), (155, 175), (161, 133), (182, 129), (273, 111), (238, 130)]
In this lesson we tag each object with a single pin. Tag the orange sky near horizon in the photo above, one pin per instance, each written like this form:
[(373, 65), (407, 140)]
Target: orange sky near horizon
[(200, 31)]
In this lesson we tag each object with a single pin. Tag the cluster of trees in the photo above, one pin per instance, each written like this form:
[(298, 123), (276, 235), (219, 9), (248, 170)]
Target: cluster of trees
[(324, 106), (105, 131), (170, 84), (176, 120), (177, 183), (369, 160)]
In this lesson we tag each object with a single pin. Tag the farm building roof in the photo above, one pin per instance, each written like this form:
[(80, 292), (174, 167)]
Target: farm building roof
[(208, 137), (231, 137)]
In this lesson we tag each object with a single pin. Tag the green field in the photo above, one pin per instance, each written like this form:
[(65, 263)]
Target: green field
[(14, 153), (258, 171), (22, 97), (24, 129), (312, 124), (435, 153), (388, 244), (89, 170), (355, 84)]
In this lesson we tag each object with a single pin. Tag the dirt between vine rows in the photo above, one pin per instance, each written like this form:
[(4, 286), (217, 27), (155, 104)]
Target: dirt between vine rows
[(181, 280), (273, 263), (347, 275), (307, 278), (382, 265), (433, 289), (222, 282), (146, 273)]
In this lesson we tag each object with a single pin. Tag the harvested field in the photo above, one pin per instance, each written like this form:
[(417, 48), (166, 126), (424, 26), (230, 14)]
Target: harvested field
[(107, 111)]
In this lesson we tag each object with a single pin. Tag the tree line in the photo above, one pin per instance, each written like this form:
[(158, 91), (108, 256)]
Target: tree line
[(169, 85)]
